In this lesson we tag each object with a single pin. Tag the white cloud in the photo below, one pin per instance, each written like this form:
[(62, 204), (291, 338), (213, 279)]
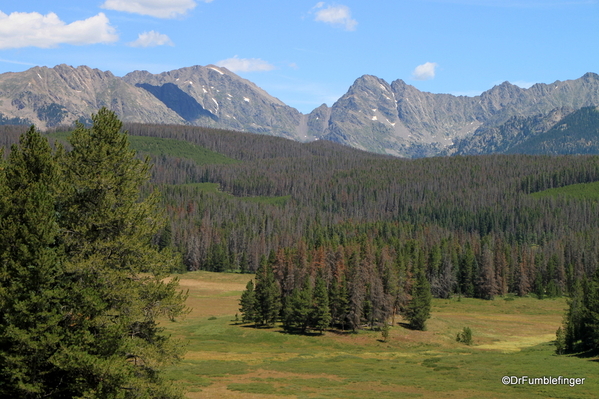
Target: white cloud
[(335, 15), (245, 65), (151, 39), (425, 71), (16, 62), (20, 29), (154, 8)]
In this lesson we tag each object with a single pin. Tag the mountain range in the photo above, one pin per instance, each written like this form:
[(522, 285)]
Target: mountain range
[(374, 115)]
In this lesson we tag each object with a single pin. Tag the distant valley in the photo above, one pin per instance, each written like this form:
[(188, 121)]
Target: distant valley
[(374, 115)]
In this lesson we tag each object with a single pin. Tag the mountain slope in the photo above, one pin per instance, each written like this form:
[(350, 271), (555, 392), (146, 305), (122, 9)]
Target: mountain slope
[(501, 138), (374, 115), (577, 133), (213, 96), (401, 120), (59, 95)]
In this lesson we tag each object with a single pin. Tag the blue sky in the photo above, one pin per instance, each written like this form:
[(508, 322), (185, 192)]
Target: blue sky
[(308, 52)]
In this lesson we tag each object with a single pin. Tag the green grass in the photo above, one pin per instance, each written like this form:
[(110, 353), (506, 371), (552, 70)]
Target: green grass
[(276, 201), (168, 147), (178, 149), (512, 338), (577, 191)]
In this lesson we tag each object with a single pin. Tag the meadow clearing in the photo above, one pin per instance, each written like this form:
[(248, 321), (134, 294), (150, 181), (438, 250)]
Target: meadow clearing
[(512, 337)]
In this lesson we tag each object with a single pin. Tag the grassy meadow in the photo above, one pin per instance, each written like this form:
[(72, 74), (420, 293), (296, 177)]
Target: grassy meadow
[(166, 147), (512, 336), (576, 191)]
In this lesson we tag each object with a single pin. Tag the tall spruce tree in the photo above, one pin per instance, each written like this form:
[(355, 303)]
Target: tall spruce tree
[(32, 288), (247, 303), (297, 314), (321, 313), (268, 297), (77, 245), (581, 322), (418, 310)]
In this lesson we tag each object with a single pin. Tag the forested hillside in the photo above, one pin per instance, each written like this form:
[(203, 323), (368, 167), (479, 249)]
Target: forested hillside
[(577, 133), (366, 224)]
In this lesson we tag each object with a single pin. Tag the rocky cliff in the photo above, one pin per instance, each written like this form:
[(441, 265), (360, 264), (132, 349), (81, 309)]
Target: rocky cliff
[(392, 118)]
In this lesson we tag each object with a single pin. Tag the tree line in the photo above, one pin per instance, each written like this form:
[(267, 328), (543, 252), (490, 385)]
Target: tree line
[(478, 230)]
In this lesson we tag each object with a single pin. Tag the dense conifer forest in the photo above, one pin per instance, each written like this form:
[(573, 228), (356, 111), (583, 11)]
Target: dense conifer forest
[(82, 286), (366, 226)]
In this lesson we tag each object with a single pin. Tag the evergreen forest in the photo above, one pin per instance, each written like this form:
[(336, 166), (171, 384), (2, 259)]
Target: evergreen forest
[(342, 238), (378, 232)]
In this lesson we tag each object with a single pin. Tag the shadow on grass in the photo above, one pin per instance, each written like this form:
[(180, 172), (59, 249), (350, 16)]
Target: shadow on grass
[(343, 332), (299, 332), (592, 355), (253, 326), (408, 326)]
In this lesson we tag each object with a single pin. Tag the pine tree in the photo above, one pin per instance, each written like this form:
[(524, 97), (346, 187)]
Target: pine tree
[(77, 243), (321, 313), (385, 331), (487, 286), (419, 307), (268, 298), (31, 270), (574, 321), (593, 314), (339, 302), (297, 314), (467, 268), (247, 303), (560, 341)]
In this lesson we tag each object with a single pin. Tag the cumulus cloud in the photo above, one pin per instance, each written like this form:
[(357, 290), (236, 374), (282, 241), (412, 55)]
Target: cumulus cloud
[(246, 65), (151, 39), (154, 8), (335, 15), (425, 71), (20, 29)]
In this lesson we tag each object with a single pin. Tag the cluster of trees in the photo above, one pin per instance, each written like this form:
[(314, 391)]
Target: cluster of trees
[(81, 284), (580, 330), (305, 308), (345, 287), (329, 185), (469, 223)]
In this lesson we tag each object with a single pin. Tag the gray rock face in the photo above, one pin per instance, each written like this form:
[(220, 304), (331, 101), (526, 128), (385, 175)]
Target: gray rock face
[(502, 138), (213, 96), (373, 115), (401, 120), (60, 95)]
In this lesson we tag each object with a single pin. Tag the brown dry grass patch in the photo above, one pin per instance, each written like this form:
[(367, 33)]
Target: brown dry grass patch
[(213, 294)]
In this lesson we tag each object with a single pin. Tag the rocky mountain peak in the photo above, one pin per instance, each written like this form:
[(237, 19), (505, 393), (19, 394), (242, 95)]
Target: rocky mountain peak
[(373, 115)]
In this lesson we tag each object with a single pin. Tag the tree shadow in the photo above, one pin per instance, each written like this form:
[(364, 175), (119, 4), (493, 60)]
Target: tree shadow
[(592, 355), (407, 326), (252, 326), (342, 332), (299, 332)]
